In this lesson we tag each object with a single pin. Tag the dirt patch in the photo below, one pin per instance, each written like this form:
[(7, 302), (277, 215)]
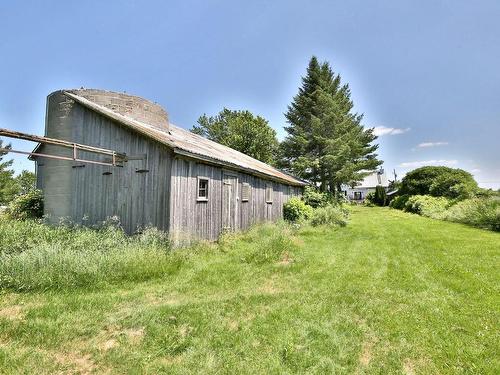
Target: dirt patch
[(269, 287), (286, 259), (134, 336), (233, 325), (185, 330), (408, 367), (14, 312), (366, 353), (81, 364), (109, 344)]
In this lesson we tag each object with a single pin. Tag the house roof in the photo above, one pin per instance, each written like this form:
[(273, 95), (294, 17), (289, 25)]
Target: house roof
[(374, 179), (185, 143)]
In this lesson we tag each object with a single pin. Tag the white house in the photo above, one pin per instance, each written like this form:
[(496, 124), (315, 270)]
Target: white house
[(368, 185)]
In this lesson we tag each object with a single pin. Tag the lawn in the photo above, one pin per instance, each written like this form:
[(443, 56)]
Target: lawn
[(390, 293)]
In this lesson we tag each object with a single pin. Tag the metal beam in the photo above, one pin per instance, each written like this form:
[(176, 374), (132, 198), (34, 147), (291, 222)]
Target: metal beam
[(116, 158)]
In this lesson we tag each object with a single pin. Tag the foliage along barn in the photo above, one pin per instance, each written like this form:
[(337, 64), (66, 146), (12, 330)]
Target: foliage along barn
[(172, 179)]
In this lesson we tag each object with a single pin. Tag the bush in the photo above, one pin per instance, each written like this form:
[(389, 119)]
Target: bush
[(478, 212), (428, 206), (314, 198), (399, 202), (380, 196), (370, 198), (439, 181), (27, 206), (296, 210), (330, 215)]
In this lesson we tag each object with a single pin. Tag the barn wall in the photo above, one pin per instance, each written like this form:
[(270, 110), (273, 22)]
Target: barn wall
[(83, 193), (191, 219)]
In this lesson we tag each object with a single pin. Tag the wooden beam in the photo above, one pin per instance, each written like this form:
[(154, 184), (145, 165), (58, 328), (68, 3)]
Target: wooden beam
[(60, 142), (116, 158)]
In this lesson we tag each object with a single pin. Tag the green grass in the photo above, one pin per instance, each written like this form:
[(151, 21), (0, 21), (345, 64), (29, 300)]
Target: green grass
[(389, 293)]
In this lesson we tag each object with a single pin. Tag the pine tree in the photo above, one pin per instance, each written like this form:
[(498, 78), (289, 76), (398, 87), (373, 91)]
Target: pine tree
[(326, 143), (8, 186)]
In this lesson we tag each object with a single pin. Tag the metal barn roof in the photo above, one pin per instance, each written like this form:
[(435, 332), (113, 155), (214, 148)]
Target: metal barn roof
[(185, 143)]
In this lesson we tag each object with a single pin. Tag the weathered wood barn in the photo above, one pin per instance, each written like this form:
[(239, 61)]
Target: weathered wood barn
[(173, 179)]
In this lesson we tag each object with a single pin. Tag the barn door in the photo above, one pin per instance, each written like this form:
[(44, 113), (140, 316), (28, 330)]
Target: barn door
[(229, 202)]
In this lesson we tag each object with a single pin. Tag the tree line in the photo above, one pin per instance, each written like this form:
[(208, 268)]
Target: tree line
[(326, 144)]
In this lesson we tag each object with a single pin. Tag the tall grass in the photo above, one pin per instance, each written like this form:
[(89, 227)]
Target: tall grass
[(34, 256), (37, 256)]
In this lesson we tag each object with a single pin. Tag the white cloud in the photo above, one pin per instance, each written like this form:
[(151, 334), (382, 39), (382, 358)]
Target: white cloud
[(431, 144), (475, 170), (421, 163), (382, 130)]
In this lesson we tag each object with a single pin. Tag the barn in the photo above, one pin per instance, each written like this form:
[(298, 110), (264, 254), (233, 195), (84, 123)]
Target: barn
[(172, 179)]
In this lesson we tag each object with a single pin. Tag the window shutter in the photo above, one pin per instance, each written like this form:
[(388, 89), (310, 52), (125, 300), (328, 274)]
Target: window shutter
[(245, 192), (269, 193)]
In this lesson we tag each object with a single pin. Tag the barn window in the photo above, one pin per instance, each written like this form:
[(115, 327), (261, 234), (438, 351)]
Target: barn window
[(269, 193), (245, 192), (202, 189)]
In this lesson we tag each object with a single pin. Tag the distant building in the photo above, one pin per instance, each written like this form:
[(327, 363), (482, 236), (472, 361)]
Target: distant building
[(368, 185)]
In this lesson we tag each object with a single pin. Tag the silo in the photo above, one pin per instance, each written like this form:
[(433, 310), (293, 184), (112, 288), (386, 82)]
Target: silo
[(74, 190)]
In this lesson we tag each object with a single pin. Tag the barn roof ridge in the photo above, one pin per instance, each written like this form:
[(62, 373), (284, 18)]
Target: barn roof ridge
[(189, 144)]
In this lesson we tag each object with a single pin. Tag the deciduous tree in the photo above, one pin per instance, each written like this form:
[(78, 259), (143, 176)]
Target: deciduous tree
[(242, 131)]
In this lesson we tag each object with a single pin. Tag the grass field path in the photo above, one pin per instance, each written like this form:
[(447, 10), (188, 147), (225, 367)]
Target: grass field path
[(391, 293)]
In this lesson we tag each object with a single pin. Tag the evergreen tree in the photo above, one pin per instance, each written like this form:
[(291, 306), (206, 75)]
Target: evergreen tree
[(242, 131), (8, 186), (326, 143)]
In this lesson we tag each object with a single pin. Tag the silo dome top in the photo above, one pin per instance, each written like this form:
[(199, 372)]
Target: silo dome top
[(131, 106)]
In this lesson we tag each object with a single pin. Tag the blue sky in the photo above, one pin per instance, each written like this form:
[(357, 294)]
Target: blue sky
[(426, 74)]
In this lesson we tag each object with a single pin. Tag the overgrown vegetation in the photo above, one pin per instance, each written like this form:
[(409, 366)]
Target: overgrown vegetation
[(34, 256), (296, 210), (28, 205), (391, 293), (317, 208), (330, 215), (439, 181), (448, 194), (428, 206)]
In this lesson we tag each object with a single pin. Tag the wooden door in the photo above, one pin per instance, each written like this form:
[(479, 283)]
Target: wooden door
[(229, 202)]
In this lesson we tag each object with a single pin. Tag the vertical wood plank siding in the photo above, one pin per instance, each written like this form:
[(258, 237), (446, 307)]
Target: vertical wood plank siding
[(194, 220), (165, 196), (137, 199)]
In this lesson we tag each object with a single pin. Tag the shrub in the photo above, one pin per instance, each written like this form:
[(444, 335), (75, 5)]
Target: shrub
[(27, 206), (399, 202), (296, 210), (314, 198), (370, 199), (478, 212), (439, 181), (428, 206), (330, 215), (380, 196)]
